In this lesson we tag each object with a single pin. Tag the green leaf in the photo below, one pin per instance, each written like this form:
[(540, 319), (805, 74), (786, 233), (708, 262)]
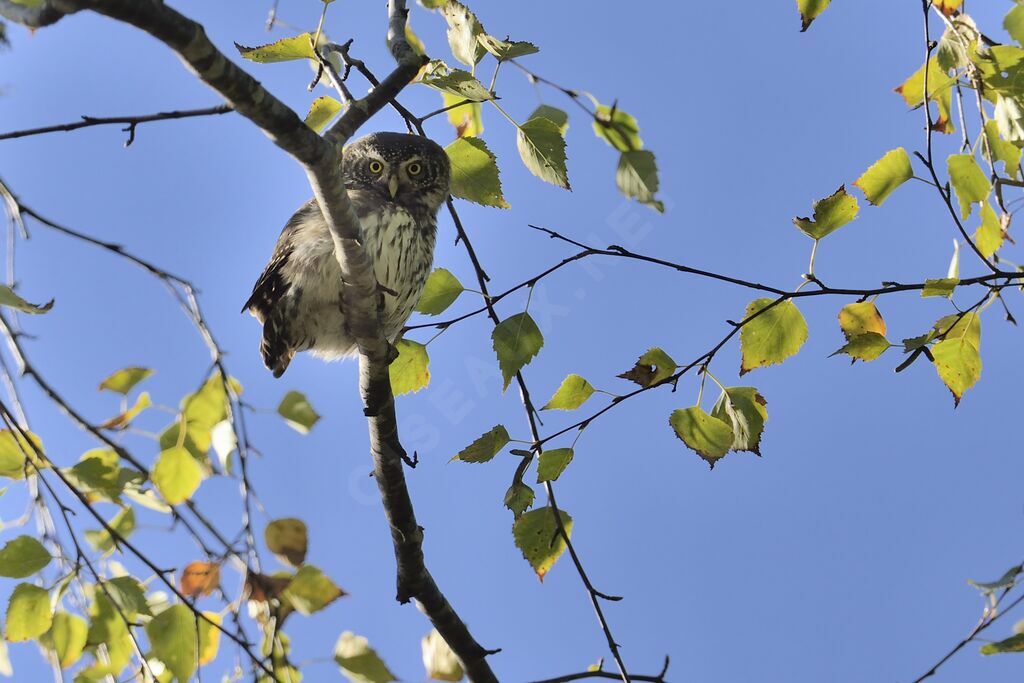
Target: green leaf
[(542, 149), (297, 412), (885, 175), (486, 447), (202, 410), (1014, 23), (439, 660), (637, 177), (440, 292), (173, 639), (410, 372), (475, 175), (989, 235), (107, 628), (745, 410), (123, 523), (771, 337), (939, 84), (1009, 125), (1014, 643), (457, 82), (11, 300), (519, 498), (28, 3), (463, 30), (321, 112), (288, 539), (29, 614), (551, 464), (537, 537), (516, 341), (22, 557), (955, 326), (553, 114), (861, 318), (506, 49), (467, 118), (809, 11), (617, 128), (710, 437), (959, 365), (1004, 151), (67, 638), (128, 594), (1007, 580), (284, 50), (359, 662), (311, 590), (98, 471), (830, 214), (865, 347), (940, 287), (176, 475), (13, 447), (652, 367), (573, 392), (970, 182)]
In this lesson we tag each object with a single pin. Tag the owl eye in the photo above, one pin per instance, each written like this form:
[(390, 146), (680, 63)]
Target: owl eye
[(376, 167), (414, 168)]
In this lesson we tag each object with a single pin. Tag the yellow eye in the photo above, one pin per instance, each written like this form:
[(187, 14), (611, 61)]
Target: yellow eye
[(414, 168), (376, 167)]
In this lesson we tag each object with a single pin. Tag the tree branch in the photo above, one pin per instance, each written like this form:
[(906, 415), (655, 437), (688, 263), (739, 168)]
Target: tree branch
[(32, 17), (131, 121)]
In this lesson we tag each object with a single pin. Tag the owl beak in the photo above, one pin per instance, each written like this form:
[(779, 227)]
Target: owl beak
[(393, 186)]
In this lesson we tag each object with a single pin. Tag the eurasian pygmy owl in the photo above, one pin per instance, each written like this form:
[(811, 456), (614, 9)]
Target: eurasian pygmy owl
[(396, 183)]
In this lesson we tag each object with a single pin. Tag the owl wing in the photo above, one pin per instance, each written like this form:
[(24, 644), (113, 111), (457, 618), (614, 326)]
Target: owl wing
[(271, 285)]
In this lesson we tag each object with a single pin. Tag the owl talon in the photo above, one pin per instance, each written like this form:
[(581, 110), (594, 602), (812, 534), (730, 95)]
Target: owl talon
[(392, 353)]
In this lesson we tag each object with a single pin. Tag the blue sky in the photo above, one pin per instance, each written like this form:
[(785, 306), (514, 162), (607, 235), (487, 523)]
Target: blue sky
[(841, 555)]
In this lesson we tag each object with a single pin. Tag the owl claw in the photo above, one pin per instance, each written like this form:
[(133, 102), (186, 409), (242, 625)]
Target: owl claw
[(392, 353)]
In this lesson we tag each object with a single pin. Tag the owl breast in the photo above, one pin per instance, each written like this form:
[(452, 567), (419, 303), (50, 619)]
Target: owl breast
[(402, 253)]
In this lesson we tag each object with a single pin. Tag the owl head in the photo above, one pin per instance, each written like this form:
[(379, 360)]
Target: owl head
[(408, 170)]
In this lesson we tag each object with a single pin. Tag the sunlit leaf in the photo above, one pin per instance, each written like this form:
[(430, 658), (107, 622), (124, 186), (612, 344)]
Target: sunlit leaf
[(13, 449), (885, 175), (410, 372), (176, 475), (519, 498), (860, 318), (969, 181), (745, 410), (107, 629), (506, 49), (209, 638), (571, 394), (551, 464), (542, 149), (830, 214), (11, 300), (959, 365), (474, 173), (1014, 643), (297, 411), (652, 367), (322, 111), (710, 437), (810, 10), (288, 539), (1002, 150), (467, 118), (636, 176), (516, 340), (22, 557), (486, 447), (989, 235), (440, 291), (940, 286), (438, 659), (174, 640), (537, 537), (123, 525), (359, 662), (773, 336), (1014, 23), (456, 82), (29, 614), (124, 419), (199, 578), (284, 50), (865, 347), (128, 594), (617, 128), (463, 30), (311, 590), (67, 638)]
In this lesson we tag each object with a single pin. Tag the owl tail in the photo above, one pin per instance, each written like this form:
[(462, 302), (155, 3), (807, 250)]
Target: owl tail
[(274, 347)]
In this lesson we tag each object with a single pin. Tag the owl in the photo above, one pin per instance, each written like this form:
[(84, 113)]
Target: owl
[(396, 183)]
